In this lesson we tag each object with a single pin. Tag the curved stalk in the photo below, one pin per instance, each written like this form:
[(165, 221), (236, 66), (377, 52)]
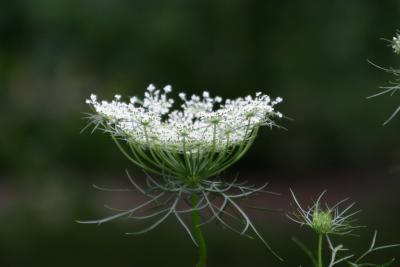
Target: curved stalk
[(198, 235), (320, 239)]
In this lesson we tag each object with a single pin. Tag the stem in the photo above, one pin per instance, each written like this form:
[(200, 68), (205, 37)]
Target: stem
[(320, 238), (198, 235)]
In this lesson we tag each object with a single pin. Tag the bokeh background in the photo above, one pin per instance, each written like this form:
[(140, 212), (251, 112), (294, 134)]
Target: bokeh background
[(54, 53)]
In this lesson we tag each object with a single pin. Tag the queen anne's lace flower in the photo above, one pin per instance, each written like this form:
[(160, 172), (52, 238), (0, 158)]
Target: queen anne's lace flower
[(202, 124), (185, 148)]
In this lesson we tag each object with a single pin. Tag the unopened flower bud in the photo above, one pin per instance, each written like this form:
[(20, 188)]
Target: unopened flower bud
[(322, 221)]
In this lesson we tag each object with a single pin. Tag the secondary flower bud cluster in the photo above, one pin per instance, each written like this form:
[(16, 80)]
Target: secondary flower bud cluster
[(202, 123), (322, 221), (396, 44), (329, 220)]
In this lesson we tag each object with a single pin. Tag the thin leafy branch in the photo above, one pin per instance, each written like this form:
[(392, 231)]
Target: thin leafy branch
[(394, 86)]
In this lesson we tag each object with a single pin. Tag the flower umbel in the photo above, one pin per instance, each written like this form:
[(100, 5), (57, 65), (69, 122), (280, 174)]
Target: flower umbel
[(202, 124), (191, 144), (395, 43), (325, 220), (185, 149)]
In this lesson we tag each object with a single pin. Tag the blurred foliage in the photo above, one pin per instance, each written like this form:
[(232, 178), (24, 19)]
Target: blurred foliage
[(54, 53)]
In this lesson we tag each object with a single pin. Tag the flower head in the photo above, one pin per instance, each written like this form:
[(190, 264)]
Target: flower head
[(325, 220), (201, 128), (395, 43), (185, 147), (322, 221), (205, 120)]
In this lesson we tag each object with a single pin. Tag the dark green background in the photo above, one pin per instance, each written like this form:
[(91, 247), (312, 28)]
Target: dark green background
[(54, 53)]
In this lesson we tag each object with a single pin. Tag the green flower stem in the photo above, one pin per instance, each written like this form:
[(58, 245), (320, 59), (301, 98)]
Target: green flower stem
[(320, 239), (198, 235)]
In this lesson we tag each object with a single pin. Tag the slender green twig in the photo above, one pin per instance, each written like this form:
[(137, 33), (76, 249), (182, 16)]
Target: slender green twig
[(306, 250), (320, 244), (198, 235)]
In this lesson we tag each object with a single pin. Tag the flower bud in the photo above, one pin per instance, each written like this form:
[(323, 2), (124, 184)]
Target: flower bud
[(396, 44), (322, 221)]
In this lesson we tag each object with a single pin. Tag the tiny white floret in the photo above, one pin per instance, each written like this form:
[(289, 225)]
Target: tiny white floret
[(205, 121)]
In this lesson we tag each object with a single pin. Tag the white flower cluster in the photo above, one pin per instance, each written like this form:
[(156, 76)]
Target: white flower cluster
[(396, 44), (201, 124)]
